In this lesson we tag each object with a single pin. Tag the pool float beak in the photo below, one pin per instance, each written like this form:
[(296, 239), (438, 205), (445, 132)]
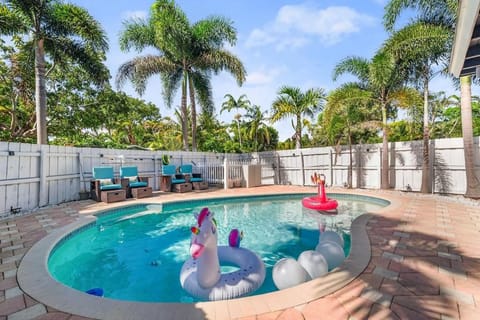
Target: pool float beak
[(196, 250)]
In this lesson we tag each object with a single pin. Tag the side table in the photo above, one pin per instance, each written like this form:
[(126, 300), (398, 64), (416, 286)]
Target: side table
[(166, 183)]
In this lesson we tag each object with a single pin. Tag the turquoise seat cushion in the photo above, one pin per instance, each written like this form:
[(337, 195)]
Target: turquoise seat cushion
[(196, 179), (176, 181), (112, 186), (137, 184)]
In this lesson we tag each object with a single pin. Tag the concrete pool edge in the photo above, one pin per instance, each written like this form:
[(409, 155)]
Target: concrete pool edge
[(35, 280)]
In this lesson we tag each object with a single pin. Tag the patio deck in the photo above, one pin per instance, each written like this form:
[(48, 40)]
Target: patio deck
[(425, 261)]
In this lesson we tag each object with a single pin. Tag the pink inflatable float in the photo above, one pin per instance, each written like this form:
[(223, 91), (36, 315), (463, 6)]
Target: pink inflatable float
[(319, 202)]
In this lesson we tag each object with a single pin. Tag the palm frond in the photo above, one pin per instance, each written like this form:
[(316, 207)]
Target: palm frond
[(137, 34), (139, 69), (203, 90), (214, 31), (68, 20), (171, 82), (222, 60), (66, 49), (356, 66)]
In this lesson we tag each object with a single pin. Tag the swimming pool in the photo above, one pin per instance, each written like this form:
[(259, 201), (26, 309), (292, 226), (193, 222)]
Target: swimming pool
[(136, 256)]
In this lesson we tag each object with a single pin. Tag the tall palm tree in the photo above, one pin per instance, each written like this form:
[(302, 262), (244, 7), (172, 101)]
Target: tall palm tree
[(242, 103), (473, 182), (187, 56), (444, 13), (421, 47), (61, 32), (292, 102), (257, 125), (347, 109), (382, 77)]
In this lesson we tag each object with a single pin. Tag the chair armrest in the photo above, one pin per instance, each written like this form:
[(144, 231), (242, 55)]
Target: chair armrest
[(95, 189), (94, 184), (124, 182)]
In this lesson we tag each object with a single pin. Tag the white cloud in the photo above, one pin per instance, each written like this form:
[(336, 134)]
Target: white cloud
[(139, 14), (296, 25), (263, 76)]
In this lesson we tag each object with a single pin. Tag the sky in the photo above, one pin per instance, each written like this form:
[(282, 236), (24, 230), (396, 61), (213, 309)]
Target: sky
[(280, 42)]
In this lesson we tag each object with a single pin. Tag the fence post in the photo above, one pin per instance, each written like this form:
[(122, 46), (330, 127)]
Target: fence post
[(432, 164), (330, 166), (303, 168), (380, 150), (357, 167), (43, 190), (155, 172), (82, 178), (225, 173), (279, 179)]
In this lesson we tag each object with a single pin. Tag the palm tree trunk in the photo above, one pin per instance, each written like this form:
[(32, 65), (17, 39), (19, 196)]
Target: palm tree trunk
[(473, 183), (426, 186), (184, 113), (298, 133), (384, 184), (194, 114), (40, 93)]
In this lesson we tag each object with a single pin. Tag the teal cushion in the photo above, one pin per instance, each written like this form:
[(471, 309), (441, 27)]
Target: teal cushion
[(175, 181), (196, 179), (111, 187), (138, 184), (102, 172)]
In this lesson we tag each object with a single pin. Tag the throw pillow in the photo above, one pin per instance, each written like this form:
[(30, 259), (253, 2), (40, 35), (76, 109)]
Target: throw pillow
[(105, 182), (132, 178)]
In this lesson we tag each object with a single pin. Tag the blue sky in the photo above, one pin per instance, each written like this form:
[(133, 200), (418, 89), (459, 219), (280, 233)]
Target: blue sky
[(280, 42)]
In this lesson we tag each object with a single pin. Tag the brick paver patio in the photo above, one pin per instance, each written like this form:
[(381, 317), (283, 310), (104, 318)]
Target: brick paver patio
[(425, 260)]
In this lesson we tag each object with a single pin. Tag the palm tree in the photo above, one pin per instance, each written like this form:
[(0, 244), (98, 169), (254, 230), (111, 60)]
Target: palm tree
[(187, 56), (241, 103), (347, 109), (444, 13), (60, 31), (292, 102), (420, 47), (257, 125), (384, 80), (473, 182)]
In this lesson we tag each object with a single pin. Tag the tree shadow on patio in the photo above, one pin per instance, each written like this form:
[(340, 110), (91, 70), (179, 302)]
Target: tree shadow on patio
[(413, 275)]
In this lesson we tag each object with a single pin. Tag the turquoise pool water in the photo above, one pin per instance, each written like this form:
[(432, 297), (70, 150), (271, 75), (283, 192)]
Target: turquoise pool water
[(136, 253)]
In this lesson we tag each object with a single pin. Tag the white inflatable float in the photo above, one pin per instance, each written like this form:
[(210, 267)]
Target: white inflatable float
[(310, 264), (200, 275)]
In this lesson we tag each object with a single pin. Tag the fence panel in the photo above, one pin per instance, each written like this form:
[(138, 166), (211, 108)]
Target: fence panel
[(33, 175)]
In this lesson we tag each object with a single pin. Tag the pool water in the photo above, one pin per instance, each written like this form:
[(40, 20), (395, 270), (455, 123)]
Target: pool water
[(138, 257)]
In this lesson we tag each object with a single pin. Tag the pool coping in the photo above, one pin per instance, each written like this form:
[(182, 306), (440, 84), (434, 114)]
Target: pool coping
[(35, 280)]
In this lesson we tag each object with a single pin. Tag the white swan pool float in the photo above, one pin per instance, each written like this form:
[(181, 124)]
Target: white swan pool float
[(200, 275)]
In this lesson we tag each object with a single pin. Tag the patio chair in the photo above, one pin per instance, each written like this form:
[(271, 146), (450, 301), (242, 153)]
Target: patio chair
[(105, 187), (136, 186), (195, 178), (177, 180)]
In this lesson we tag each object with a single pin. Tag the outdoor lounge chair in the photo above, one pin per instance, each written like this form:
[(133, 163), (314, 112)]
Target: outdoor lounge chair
[(136, 186), (178, 181), (195, 178), (105, 187)]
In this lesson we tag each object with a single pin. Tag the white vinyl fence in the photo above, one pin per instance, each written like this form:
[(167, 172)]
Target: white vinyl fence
[(33, 176)]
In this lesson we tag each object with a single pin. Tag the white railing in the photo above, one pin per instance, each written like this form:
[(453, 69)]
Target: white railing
[(33, 176)]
